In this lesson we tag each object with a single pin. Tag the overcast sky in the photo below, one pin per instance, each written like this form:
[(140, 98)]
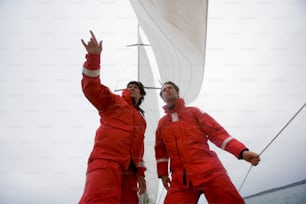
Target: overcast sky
[(254, 82)]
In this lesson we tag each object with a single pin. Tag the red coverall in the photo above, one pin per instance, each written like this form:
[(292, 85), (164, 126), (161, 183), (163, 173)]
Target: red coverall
[(117, 156), (182, 135)]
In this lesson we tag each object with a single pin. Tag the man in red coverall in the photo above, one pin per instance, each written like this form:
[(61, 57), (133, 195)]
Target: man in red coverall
[(182, 136), (115, 172)]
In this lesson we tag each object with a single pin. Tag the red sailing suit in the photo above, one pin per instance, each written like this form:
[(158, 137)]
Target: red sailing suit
[(117, 155), (182, 135)]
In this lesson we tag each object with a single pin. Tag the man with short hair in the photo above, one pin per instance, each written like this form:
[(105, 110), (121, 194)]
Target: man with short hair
[(182, 137)]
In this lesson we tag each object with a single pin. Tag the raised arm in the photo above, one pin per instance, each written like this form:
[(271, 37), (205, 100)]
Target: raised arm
[(99, 95)]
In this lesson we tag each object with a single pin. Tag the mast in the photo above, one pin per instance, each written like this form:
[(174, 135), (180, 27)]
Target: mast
[(146, 76), (138, 44)]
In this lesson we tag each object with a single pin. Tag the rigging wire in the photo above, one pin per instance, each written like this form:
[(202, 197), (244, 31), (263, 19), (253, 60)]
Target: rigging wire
[(292, 118)]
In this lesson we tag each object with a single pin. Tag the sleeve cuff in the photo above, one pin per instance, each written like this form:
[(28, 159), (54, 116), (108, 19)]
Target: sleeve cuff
[(241, 153), (92, 61), (140, 171), (162, 169)]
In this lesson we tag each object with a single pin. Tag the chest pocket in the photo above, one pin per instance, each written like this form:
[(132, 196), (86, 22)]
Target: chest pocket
[(183, 129)]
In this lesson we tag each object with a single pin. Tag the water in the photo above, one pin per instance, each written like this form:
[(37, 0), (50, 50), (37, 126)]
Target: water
[(290, 194)]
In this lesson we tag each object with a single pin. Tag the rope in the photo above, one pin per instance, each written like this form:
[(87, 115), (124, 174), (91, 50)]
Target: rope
[(292, 118), (283, 128), (245, 177)]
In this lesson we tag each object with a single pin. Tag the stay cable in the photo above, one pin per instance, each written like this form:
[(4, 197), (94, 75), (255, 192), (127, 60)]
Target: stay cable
[(291, 119)]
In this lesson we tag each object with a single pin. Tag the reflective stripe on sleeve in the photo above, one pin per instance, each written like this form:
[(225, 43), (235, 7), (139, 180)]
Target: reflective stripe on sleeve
[(141, 164), (162, 160), (91, 73), (227, 140)]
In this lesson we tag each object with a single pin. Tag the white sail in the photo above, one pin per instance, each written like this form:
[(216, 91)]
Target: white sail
[(176, 30), (178, 44), (152, 114)]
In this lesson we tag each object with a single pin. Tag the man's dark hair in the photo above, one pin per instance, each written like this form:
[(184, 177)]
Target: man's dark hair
[(171, 83)]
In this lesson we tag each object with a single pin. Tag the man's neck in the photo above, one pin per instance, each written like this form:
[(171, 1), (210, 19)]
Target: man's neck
[(171, 106), (171, 103)]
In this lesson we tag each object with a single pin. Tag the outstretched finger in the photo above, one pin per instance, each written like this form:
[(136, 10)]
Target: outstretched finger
[(100, 44), (83, 42), (93, 37)]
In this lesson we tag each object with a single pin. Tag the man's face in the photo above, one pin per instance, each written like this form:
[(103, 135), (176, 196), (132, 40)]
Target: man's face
[(169, 94), (134, 92)]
